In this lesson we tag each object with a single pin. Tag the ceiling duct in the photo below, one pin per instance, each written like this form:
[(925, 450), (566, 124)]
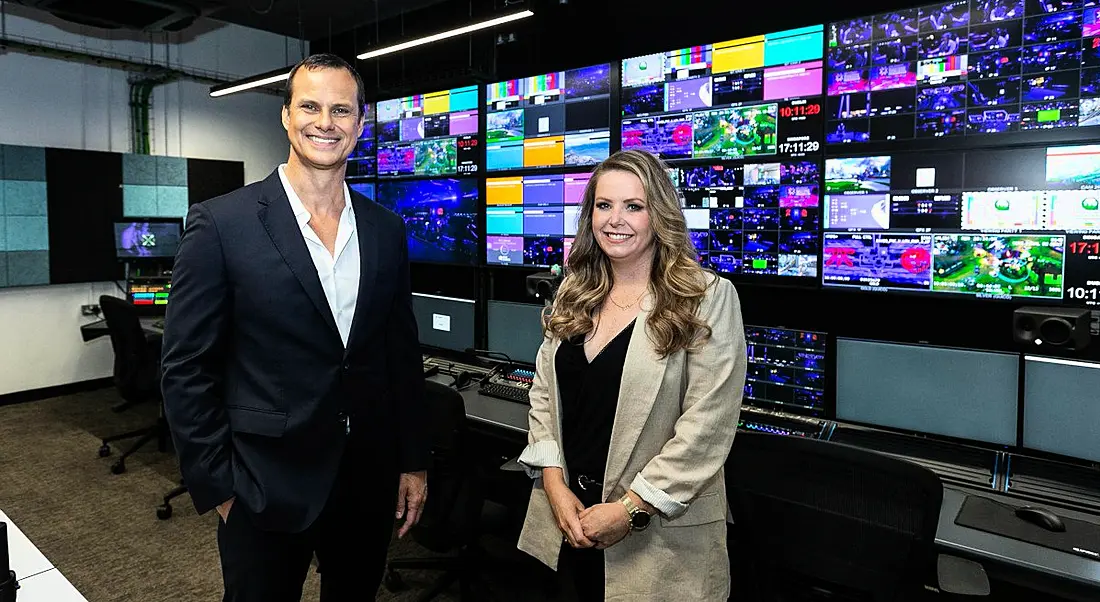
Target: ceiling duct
[(136, 15)]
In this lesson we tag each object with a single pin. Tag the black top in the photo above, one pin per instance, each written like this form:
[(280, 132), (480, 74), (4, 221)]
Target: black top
[(589, 396)]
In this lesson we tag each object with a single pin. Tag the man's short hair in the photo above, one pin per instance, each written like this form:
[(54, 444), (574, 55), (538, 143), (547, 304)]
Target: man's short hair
[(326, 61)]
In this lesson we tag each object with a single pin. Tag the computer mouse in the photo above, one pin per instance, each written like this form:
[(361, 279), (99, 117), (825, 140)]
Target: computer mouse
[(1041, 517)]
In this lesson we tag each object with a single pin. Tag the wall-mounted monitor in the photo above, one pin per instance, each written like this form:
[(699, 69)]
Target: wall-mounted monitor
[(363, 160), (364, 188), (550, 120), (959, 393), (515, 329), (746, 98), (531, 220), (998, 223), (149, 238), (963, 68), (754, 218), (441, 217), (434, 134), (786, 370)]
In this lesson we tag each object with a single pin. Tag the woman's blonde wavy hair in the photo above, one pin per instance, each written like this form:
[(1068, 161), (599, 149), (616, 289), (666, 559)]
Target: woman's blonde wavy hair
[(677, 281)]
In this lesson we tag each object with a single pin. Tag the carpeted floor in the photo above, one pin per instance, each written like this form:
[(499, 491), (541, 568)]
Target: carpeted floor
[(101, 530)]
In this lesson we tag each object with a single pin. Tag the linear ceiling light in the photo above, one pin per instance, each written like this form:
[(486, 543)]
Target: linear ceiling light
[(256, 81), (446, 34)]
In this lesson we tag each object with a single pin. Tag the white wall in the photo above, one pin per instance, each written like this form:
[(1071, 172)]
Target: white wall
[(53, 103)]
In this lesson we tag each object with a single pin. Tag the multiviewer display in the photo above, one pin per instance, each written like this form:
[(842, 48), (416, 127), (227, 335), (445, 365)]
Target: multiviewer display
[(749, 97), (441, 217), (786, 370), (1001, 224), (964, 68), (432, 134), (363, 160), (754, 218), (531, 220), (549, 120)]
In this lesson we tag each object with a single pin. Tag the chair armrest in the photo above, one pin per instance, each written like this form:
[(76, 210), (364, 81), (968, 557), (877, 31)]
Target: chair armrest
[(961, 576)]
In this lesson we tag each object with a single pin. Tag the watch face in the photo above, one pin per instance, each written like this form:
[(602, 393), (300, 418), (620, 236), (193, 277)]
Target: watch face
[(640, 520)]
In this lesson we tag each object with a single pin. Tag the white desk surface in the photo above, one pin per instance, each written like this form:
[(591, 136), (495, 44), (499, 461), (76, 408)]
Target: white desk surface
[(50, 586), (25, 558)]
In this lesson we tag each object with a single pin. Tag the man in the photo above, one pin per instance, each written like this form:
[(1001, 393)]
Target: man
[(292, 371)]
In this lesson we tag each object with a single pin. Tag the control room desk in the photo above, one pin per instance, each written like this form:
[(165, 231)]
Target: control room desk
[(39, 579), (1081, 572)]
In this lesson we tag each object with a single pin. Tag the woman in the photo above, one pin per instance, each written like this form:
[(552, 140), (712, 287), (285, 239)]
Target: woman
[(635, 401)]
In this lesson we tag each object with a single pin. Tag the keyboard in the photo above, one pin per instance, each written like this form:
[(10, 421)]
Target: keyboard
[(506, 392)]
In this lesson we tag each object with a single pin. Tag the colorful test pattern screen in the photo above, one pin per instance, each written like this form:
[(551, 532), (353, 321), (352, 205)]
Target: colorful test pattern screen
[(995, 224), (441, 217), (531, 220), (731, 100), (555, 119), (759, 218), (432, 134), (964, 68), (363, 160), (786, 370)]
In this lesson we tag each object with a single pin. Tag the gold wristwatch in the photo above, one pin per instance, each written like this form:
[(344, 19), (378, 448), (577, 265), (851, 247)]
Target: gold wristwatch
[(639, 519)]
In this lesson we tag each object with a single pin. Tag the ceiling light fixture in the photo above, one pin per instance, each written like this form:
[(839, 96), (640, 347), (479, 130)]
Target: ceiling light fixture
[(446, 34), (256, 81)]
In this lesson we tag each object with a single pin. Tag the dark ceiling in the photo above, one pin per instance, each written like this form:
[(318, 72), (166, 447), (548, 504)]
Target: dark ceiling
[(318, 17)]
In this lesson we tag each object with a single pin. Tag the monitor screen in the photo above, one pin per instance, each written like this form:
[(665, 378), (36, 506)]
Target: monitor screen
[(444, 322), (440, 217), (994, 224), (786, 370), (147, 239), (943, 391), (549, 120), (1061, 409), (363, 160), (963, 69), (750, 97), (531, 220), (149, 294), (742, 122), (753, 218), (433, 134), (364, 188), (515, 329)]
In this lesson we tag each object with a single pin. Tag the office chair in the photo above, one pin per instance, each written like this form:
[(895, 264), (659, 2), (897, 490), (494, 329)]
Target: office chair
[(451, 519), (136, 375), (820, 520)]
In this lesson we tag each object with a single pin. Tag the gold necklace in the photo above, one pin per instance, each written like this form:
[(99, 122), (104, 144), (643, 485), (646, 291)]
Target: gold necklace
[(628, 305)]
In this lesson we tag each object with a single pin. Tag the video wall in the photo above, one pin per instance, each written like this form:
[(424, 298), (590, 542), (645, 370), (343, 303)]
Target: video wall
[(434, 134), (363, 161), (998, 223), (549, 120), (743, 98), (531, 220), (964, 68), (761, 135)]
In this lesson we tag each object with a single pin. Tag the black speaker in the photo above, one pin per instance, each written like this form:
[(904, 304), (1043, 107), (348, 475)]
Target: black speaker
[(1065, 327)]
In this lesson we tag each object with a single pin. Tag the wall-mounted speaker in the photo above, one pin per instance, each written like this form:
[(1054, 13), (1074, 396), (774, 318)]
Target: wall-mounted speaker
[(1064, 327)]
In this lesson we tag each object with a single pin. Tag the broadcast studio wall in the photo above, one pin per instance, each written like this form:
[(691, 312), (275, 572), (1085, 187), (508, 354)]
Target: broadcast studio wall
[(910, 176)]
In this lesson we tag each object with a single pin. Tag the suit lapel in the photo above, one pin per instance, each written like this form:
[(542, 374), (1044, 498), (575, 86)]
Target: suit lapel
[(278, 220), (365, 230), (642, 375)]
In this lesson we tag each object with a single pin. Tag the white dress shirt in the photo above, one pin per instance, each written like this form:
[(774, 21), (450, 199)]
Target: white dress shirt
[(339, 272)]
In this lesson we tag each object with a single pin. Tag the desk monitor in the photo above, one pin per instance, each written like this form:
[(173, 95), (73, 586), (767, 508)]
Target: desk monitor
[(515, 329), (1061, 408), (444, 322), (147, 238), (149, 296), (786, 370), (943, 391)]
